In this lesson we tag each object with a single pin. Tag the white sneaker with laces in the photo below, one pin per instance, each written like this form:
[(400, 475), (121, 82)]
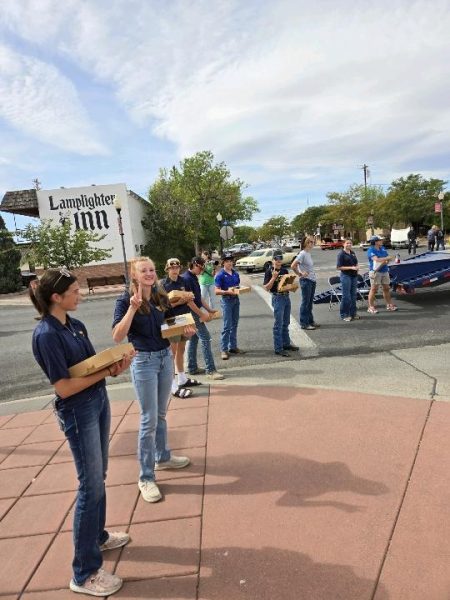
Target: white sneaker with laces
[(116, 539), (174, 462), (101, 583), (149, 491), (215, 375)]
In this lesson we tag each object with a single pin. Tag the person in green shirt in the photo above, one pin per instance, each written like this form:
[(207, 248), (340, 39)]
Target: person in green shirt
[(206, 279)]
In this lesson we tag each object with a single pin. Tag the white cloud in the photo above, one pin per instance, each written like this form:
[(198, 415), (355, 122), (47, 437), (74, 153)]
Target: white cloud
[(39, 101), (288, 88)]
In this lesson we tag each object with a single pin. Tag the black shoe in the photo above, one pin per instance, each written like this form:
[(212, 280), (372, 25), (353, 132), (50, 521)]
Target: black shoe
[(283, 353), (236, 351), (292, 348)]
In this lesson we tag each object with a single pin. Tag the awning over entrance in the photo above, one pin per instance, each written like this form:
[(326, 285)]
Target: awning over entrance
[(21, 202)]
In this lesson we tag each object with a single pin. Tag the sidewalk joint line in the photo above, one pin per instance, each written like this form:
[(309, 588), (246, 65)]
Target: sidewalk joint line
[(402, 500)]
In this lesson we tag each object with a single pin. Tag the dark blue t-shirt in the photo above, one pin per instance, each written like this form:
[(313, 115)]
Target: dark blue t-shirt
[(224, 280), (192, 285), (268, 277), (345, 259), (145, 329), (56, 347), (170, 285)]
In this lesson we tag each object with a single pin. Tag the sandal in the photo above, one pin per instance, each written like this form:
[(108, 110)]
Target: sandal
[(182, 393), (391, 307), (190, 383), (372, 310)]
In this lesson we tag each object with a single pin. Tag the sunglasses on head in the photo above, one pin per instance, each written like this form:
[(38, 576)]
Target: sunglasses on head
[(64, 272), (174, 264)]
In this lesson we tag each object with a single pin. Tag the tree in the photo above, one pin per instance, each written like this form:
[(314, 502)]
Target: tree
[(185, 202), (274, 228), (10, 278), (52, 246), (306, 223), (245, 233), (412, 199)]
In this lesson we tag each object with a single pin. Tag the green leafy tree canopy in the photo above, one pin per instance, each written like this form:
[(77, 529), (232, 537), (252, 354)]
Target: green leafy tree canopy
[(10, 278), (52, 246)]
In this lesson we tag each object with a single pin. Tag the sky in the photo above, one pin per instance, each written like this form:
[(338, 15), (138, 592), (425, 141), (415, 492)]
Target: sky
[(293, 95)]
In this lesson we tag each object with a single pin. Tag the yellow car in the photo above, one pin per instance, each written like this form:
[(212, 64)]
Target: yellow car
[(262, 259)]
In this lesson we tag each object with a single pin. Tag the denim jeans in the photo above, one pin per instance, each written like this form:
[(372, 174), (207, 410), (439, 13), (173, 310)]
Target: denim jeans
[(347, 307), (86, 427), (230, 312), (308, 288), (282, 313), (152, 375), (205, 340), (208, 294)]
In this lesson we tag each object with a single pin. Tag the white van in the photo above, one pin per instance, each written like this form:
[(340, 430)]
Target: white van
[(399, 238)]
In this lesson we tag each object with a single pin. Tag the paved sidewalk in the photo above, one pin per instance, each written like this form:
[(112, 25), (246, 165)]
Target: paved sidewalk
[(294, 494)]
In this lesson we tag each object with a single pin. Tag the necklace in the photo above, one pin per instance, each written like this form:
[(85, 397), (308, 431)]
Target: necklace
[(71, 329)]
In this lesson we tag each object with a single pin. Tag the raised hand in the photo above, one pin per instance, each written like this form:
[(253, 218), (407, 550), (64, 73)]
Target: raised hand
[(136, 299)]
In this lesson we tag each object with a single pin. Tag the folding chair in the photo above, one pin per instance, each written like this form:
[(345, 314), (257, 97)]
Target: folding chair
[(335, 290), (362, 290)]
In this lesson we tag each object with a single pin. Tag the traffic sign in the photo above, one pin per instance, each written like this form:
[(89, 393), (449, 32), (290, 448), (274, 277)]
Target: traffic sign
[(226, 232)]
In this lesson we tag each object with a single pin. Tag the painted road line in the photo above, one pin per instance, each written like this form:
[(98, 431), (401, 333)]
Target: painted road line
[(296, 333)]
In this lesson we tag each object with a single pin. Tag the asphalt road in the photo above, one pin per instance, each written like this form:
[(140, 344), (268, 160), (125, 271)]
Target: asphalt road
[(422, 320)]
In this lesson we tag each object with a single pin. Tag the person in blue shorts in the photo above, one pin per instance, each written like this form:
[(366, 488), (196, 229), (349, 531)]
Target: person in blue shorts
[(83, 412), (379, 274)]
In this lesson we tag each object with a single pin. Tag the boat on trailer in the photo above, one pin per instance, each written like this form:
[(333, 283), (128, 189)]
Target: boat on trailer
[(423, 270)]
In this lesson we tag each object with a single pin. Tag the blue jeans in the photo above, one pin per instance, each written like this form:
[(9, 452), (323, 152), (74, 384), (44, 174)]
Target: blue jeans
[(209, 294), (282, 313), (348, 303), (308, 288), (86, 427), (205, 340), (152, 375), (230, 312)]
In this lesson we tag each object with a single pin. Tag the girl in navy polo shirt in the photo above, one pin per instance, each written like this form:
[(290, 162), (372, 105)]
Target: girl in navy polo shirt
[(83, 412), (228, 278), (139, 314)]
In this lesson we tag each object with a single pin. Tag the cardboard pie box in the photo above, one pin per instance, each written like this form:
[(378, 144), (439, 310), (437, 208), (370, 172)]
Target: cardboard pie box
[(287, 283), (175, 325), (216, 315), (180, 295), (241, 289), (100, 361)]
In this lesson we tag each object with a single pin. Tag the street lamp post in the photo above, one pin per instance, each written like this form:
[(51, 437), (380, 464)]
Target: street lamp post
[(118, 207), (441, 197), (219, 220)]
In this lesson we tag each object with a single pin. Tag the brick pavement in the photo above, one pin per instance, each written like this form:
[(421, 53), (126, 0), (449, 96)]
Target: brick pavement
[(307, 494)]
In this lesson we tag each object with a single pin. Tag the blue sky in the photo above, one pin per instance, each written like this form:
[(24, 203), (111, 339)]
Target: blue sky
[(293, 96)]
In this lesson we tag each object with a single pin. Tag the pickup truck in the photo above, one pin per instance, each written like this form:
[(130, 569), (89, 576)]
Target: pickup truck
[(329, 244)]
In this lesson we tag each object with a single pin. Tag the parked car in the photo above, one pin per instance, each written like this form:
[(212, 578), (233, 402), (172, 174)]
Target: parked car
[(386, 243), (329, 244), (238, 250), (262, 259)]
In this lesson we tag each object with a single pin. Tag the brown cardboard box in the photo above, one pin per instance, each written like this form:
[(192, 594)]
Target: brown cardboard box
[(175, 295), (175, 325), (216, 315), (287, 283), (241, 289), (100, 361)]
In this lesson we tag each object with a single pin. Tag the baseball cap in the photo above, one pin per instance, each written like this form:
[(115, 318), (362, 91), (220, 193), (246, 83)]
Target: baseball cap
[(227, 256), (375, 238), (198, 260), (278, 256)]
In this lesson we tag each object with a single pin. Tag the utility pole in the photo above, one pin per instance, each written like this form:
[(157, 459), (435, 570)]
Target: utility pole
[(366, 174), (37, 184)]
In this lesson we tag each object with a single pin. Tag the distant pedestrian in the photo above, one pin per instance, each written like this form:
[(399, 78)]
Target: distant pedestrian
[(281, 304), (440, 239), (303, 266), (347, 263), (431, 238), (83, 413), (379, 274), (412, 241), (225, 280), (206, 279)]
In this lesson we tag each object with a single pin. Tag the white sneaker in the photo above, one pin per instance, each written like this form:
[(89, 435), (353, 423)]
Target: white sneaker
[(174, 462), (101, 583), (149, 491), (215, 375), (116, 539)]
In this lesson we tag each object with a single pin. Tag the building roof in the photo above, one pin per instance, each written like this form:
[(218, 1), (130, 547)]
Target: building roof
[(21, 202)]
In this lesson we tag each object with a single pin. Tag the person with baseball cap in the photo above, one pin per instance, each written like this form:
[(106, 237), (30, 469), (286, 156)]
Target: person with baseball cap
[(281, 304), (201, 317), (379, 274), (225, 281)]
